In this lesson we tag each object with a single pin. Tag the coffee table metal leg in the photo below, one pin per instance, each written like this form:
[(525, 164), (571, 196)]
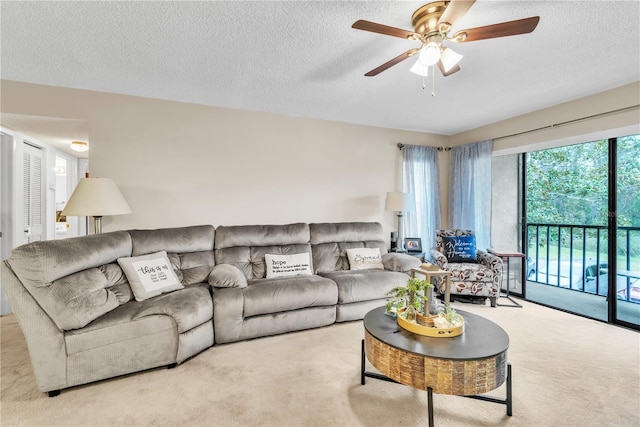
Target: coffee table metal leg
[(362, 380), (430, 403), (509, 396)]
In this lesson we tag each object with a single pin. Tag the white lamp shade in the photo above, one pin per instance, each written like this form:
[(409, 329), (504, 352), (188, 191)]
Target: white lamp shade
[(420, 68), (96, 197), (449, 58), (400, 202), (430, 54)]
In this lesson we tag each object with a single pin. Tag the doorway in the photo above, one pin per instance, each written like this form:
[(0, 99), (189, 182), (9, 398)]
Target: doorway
[(33, 193)]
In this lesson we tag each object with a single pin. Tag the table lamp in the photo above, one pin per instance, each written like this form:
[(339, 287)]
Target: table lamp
[(96, 197), (399, 202)]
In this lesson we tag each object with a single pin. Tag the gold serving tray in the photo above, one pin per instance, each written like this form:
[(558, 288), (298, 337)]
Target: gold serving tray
[(429, 331)]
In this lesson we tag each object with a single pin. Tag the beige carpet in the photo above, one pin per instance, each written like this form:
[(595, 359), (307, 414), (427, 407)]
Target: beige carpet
[(567, 371)]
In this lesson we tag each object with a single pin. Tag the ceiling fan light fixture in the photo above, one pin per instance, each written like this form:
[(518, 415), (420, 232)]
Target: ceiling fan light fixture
[(79, 146), (449, 58), (420, 68), (430, 53)]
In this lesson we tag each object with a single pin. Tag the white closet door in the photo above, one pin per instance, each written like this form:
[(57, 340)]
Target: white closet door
[(34, 205)]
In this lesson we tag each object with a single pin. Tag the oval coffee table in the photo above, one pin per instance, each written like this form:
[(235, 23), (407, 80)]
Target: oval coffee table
[(467, 365)]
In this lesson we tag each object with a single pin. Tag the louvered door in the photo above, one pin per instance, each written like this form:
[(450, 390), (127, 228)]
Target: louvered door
[(33, 194)]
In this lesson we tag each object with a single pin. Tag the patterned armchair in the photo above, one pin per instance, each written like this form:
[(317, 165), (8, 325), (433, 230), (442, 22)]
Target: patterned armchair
[(478, 279)]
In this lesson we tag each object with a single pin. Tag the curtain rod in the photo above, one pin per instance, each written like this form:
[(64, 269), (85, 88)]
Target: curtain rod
[(555, 125), (401, 146)]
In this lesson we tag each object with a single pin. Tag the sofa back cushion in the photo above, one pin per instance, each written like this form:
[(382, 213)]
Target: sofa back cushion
[(245, 246), (330, 241), (74, 280), (190, 249)]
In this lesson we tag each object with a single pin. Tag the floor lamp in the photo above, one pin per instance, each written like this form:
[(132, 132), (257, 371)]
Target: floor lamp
[(96, 197), (399, 202)]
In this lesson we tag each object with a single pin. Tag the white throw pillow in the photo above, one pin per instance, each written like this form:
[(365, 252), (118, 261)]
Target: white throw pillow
[(150, 275), (287, 265), (365, 259)]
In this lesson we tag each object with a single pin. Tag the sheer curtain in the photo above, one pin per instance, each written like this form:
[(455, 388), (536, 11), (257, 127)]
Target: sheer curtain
[(420, 178), (470, 190)]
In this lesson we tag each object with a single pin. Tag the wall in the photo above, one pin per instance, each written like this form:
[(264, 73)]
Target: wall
[(179, 164), (505, 230)]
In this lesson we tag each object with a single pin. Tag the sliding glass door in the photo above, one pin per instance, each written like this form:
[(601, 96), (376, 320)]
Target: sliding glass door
[(627, 280), (582, 234)]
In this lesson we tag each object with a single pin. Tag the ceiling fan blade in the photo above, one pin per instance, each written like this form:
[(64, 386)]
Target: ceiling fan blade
[(454, 11), (384, 29), (452, 70), (504, 29), (391, 63)]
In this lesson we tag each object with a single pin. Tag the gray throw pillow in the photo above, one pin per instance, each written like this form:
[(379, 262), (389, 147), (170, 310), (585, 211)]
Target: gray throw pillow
[(227, 276)]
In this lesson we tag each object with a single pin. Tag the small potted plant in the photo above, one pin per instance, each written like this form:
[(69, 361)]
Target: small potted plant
[(412, 297)]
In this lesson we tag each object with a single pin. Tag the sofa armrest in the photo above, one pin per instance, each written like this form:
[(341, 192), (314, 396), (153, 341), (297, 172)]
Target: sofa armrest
[(490, 260), (46, 343), (440, 259), (228, 314), (400, 262), (227, 276)]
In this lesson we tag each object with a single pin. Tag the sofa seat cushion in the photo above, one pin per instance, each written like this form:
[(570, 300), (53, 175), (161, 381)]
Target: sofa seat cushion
[(365, 285), (266, 296), (181, 310), (115, 327), (189, 307), (469, 272)]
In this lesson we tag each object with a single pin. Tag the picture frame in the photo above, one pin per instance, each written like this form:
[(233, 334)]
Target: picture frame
[(413, 244)]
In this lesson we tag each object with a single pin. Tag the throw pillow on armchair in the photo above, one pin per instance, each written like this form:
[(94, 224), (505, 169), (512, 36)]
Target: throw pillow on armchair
[(460, 248)]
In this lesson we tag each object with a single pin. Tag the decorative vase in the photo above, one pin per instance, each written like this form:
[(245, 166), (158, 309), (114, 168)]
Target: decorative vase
[(410, 312), (431, 302)]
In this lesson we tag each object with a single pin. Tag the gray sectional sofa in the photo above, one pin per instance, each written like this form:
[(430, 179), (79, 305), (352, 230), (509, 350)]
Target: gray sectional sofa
[(85, 320)]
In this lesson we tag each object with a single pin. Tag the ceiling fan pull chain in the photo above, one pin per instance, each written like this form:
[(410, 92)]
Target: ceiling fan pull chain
[(423, 84), (433, 81)]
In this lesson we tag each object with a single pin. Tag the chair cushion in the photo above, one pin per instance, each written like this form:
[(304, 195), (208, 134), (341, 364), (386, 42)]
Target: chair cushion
[(468, 272)]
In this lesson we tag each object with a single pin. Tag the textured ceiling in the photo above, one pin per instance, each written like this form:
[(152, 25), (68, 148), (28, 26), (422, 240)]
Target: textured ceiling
[(304, 59)]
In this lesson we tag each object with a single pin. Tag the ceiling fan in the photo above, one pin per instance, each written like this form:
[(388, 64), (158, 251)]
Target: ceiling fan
[(431, 25)]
